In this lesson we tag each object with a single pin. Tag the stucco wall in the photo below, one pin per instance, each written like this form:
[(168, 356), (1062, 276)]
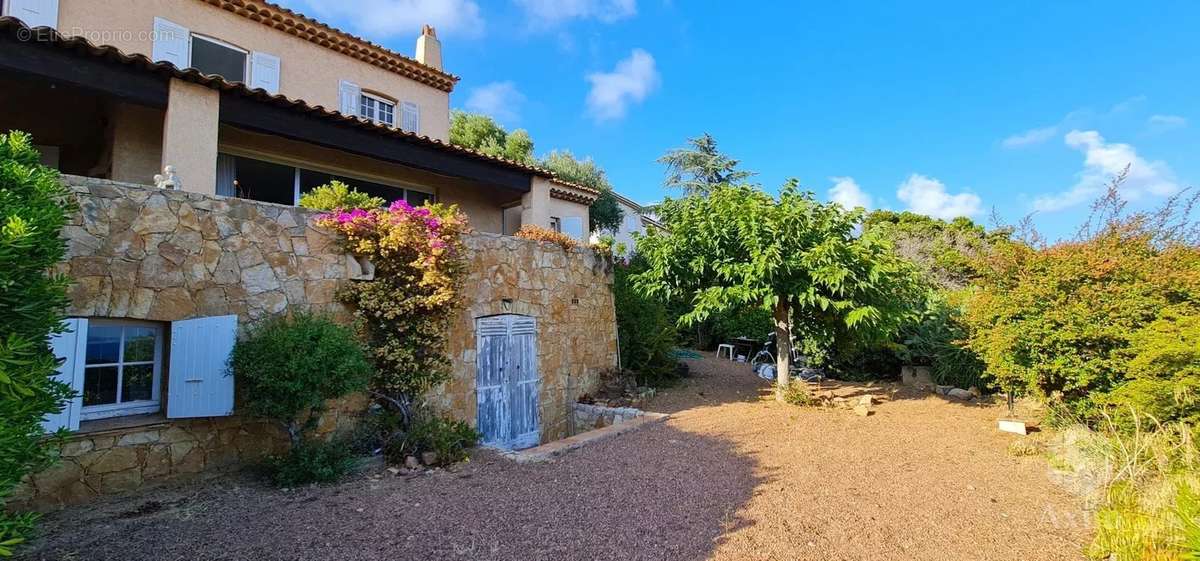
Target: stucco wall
[(307, 71), (143, 253)]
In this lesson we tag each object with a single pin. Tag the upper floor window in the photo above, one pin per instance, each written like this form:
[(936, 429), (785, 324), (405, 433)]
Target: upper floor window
[(211, 56), (377, 109), (177, 45)]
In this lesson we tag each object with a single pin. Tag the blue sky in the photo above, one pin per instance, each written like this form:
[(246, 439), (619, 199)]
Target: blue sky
[(942, 107)]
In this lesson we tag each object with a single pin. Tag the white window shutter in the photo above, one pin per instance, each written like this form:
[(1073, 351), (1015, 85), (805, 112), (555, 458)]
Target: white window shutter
[(34, 13), (350, 93), (172, 43), (573, 226), (264, 72), (71, 347), (410, 117), (198, 383)]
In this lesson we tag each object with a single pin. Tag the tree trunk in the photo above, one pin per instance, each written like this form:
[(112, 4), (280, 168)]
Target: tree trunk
[(783, 347)]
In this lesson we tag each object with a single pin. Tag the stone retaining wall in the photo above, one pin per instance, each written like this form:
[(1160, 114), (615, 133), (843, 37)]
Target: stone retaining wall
[(143, 253), (585, 417)]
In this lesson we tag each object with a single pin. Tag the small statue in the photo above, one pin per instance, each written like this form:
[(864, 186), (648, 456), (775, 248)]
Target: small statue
[(168, 179)]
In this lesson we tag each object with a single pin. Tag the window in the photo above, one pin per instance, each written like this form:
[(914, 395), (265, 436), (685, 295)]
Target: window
[(556, 223), (122, 373), (377, 109), (259, 180), (211, 56)]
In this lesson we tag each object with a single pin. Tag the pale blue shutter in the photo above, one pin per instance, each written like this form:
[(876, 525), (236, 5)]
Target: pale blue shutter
[(525, 383), (490, 393), (70, 346), (264, 72), (410, 117), (34, 13), (198, 384), (348, 94), (573, 226), (172, 43)]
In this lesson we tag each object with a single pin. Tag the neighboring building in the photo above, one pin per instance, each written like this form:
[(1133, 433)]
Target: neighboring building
[(634, 219), (164, 280)]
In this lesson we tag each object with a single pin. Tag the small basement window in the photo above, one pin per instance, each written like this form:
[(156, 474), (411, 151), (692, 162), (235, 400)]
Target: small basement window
[(123, 369), (378, 109), (211, 56)]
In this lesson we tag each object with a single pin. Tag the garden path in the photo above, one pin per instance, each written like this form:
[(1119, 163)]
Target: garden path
[(732, 475)]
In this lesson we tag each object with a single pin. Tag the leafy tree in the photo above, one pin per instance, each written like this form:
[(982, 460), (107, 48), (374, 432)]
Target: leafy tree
[(34, 207), (700, 167), (945, 251), (338, 195), (799, 257), (605, 212), (482, 133)]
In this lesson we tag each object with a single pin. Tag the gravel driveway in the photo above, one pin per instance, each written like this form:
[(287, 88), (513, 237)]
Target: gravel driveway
[(730, 476)]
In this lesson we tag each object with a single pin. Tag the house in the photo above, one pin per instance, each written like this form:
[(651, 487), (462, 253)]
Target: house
[(252, 105), (248, 99), (634, 219)]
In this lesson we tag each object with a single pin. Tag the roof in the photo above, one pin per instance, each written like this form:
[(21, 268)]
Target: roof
[(81, 46), (294, 23)]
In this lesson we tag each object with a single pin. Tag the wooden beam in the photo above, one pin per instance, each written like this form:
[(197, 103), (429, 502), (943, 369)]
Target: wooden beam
[(44, 61)]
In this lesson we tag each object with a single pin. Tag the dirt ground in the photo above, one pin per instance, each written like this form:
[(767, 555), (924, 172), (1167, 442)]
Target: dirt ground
[(729, 476)]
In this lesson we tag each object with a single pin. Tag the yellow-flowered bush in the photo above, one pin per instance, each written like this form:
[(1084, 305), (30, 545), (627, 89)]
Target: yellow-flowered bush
[(405, 311)]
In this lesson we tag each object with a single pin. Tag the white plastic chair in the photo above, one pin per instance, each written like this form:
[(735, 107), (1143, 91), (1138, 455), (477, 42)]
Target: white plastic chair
[(725, 347)]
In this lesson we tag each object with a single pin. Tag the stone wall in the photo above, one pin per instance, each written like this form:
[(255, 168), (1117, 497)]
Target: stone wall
[(568, 292), (142, 253), (586, 417)]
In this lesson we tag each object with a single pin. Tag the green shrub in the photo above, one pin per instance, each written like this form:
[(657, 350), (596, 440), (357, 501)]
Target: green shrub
[(448, 438), (34, 207), (288, 367), (338, 195), (798, 393), (312, 462), (645, 332), (1102, 321)]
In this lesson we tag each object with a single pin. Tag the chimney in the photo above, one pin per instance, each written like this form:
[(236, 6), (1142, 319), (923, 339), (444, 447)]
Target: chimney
[(429, 49)]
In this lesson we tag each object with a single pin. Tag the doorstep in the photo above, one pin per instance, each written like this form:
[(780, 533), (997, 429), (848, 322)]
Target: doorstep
[(550, 450)]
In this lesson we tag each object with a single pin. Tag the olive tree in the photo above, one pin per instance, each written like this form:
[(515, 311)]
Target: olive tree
[(792, 254)]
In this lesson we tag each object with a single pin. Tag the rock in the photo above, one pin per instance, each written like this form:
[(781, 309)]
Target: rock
[(943, 390), (429, 458), (918, 376), (959, 393), (975, 391), (862, 410), (867, 400), (394, 470), (411, 462)]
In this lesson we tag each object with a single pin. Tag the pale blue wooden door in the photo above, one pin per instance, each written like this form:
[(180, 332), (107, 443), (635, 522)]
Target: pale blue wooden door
[(507, 381), (523, 385), (200, 384), (490, 397)]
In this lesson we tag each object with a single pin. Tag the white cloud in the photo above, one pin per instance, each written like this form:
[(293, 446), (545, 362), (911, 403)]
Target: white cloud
[(388, 18), (1077, 118), (927, 195), (630, 82), (501, 100), (846, 192), (1157, 124), (1029, 137), (1104, 160), (549, 13)]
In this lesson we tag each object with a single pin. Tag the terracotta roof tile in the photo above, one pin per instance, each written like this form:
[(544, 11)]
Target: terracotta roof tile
[(304, 27)]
